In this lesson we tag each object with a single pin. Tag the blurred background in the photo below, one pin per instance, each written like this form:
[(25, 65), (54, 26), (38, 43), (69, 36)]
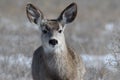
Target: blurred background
[(94, 35)]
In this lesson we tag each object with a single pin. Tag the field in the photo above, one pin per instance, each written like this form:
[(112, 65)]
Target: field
[(95, 35)]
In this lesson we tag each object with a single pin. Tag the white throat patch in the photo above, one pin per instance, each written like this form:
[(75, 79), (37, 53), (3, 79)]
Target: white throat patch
[(58, 49)]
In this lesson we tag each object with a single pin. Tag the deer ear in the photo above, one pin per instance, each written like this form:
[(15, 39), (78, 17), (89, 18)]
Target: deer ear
[(34, 14), (68, 14)]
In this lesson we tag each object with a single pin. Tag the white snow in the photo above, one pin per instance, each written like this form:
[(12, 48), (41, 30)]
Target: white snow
[(17, 59), (109, 27), (108, 61)]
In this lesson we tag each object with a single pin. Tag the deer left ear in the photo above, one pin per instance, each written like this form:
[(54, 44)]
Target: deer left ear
[(68, 14), (34, 14)]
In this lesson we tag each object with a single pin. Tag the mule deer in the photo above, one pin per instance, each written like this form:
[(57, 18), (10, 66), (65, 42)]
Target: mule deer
[(54, 60)]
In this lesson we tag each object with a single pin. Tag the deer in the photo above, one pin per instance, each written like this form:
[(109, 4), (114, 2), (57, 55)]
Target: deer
[(54, 59)]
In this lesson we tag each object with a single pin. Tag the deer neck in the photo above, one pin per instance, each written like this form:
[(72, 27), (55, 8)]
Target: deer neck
[(57, 62)]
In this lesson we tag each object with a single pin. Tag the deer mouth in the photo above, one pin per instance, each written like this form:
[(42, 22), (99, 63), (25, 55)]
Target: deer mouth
[(52, 46)]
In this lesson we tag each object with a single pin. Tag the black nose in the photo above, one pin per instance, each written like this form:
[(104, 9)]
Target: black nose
[(53, 42)]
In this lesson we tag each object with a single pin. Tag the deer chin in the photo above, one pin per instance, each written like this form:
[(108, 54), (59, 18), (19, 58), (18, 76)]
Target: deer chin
[(53, 48)]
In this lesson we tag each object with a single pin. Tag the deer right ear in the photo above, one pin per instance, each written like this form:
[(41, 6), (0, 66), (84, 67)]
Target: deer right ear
[(34, 14), (68, 14)]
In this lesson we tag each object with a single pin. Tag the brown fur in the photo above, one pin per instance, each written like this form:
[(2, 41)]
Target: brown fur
[(65, 66), (55, 60), (50, 24)]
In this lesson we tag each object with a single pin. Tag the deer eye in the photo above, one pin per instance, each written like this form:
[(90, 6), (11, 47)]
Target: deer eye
[(60, 31), (44, 31)]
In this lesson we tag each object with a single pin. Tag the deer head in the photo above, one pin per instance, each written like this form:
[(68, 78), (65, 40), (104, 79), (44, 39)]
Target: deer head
[(52, 36)]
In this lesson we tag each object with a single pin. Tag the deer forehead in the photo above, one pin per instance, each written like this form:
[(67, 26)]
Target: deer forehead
[(52, 24)]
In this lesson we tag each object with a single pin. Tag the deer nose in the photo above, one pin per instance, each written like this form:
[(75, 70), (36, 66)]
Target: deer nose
[(53, 42)]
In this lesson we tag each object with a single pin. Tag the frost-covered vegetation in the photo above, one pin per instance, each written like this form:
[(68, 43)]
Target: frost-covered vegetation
[(95, 35)]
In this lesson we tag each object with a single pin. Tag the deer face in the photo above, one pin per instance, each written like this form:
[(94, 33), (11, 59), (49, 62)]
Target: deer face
[(52, 34), (52, 29)]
